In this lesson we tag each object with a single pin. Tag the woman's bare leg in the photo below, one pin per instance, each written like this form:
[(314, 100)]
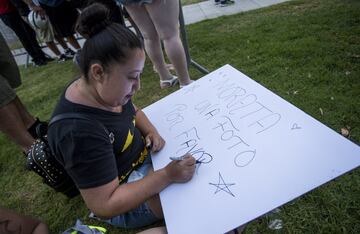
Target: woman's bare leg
[(156, 230), (167, 26), (151, 39), (155, 206), (73, 42), (52, 46), (42, 228), (154, 203), (14, 122), (61, 42)]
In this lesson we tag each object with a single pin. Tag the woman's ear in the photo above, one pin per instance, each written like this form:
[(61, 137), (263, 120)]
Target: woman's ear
[(97, 72)]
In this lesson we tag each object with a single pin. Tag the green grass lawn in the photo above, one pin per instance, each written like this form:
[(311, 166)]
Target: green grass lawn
[(306, 51)]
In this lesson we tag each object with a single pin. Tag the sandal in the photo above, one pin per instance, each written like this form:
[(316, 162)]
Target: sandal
[(169, 83), (182, 86)]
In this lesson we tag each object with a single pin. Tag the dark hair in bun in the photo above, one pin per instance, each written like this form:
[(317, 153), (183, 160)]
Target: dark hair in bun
[(107, 42), (92, 20)]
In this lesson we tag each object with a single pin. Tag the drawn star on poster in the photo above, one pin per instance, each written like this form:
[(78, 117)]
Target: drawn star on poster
[(222, 186)]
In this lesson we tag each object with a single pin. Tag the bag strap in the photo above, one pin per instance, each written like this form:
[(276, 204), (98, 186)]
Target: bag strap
[(73, 115)]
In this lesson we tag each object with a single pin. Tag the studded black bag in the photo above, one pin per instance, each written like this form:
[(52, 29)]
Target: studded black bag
[(42, 161)]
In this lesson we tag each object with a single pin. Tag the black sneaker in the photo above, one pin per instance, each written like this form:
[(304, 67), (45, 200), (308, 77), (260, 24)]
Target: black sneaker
[(47, 58), (39, 62), (63, 58), (38, 129), (41, 129), (226, 3), (69, 53)]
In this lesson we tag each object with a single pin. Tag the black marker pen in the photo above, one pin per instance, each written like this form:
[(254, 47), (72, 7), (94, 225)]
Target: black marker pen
[(182, 158)]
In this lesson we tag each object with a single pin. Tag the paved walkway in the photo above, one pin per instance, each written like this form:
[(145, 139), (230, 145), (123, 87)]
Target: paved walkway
[(208, 10), (195, 13)]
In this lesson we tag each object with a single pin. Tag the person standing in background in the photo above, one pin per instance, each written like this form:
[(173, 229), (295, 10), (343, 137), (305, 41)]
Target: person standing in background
[(9, 14), (40, 22), (156, 26), (62, 16), (15, 121)]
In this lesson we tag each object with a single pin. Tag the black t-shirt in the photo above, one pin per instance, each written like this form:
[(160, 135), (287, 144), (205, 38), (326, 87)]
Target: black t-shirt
[(89, 155)]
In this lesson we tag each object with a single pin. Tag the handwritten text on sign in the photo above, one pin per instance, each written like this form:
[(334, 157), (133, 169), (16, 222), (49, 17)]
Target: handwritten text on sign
[(256, 152)]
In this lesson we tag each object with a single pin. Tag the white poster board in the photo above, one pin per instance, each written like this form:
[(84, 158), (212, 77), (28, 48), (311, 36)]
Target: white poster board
[(258, 152)]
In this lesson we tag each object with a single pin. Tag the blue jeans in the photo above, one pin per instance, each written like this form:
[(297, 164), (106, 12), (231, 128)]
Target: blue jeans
[(134, 2), (142, 215)]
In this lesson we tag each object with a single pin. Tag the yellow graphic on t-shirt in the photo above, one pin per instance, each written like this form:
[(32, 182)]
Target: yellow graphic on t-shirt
[(129, 139), (135, 164)]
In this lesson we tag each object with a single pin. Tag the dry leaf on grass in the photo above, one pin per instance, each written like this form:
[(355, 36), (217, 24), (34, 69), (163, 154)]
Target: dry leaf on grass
[(345, 132), (355, 55)]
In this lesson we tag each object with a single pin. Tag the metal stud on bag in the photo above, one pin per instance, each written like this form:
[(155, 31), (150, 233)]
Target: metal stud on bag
[(41, 160)]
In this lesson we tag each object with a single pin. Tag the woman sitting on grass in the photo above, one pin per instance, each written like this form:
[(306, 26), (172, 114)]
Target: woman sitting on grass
[(114, 174)]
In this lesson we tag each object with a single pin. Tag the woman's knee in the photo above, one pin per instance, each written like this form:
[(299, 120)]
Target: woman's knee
[(41, 228), (168, 35), (150, 36)]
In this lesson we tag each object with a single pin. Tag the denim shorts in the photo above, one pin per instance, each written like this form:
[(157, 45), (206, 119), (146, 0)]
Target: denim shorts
[(134, 2), (140, 216)]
